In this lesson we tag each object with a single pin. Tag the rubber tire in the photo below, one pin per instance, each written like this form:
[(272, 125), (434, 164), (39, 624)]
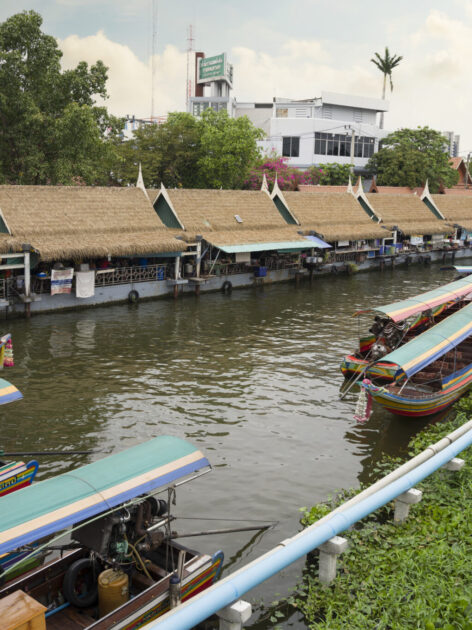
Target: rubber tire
[(133, 297), (334, 269), (70, 578), (227, 286)]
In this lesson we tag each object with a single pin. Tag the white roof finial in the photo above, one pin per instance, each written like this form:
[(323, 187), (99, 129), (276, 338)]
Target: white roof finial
[(359, 185), (140, 182), (265, 186), (426, 189), (349, 186)]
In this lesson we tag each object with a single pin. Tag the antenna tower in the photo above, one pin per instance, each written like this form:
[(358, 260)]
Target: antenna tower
[(190, 50), (153, 55)]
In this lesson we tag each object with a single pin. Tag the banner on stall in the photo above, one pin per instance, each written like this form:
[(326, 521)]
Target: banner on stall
[(61, 280)]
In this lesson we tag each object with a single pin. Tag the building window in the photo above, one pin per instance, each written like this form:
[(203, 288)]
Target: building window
[(327, 112), (291, 146), (340, 144), (358, 115)]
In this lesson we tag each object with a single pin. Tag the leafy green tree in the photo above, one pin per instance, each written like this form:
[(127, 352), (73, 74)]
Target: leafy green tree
[(50, 129), (331, 174), (214, 151), (168, 153), (228, 149), (386, 65), (409, 157)]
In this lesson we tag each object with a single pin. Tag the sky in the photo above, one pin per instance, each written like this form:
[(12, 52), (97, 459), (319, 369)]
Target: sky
[(284, 49)]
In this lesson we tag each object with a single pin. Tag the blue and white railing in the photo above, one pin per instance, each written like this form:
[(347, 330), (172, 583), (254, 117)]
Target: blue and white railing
[(323, 534)]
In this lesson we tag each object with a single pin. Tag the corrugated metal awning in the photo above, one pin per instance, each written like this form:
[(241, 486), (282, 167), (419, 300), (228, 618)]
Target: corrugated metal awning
[(266, 247)]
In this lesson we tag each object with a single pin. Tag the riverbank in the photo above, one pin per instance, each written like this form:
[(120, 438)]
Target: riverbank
[(414, 575), (145, 284)]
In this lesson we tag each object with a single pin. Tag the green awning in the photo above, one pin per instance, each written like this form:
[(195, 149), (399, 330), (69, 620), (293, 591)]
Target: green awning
[(265, 247), (58, 502)]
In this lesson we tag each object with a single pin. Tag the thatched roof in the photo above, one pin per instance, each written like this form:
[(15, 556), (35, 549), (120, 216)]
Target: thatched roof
[(457, 209), (318, 188), (74, 222), (247, 236), (200, 209), (207, 212), (408, 212), (337, 216)]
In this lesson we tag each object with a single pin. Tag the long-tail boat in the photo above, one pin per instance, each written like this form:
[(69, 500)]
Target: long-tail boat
[(399, 322), (431, 371), (115, 533)]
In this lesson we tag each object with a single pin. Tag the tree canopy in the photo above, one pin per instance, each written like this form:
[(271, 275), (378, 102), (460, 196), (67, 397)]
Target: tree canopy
[(214, 151), (51, 131), (410, 157)]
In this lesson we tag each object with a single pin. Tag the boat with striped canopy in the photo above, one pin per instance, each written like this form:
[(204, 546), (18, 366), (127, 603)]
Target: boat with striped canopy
[(399, 322), (430, 372), (110, 511)]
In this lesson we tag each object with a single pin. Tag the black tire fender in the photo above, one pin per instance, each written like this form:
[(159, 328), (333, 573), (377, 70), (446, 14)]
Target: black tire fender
[(133, 297), (227, 286), (334, 269), (70, 580)]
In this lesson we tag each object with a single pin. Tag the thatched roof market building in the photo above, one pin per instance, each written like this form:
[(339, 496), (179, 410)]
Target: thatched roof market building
[(456, 209), (336, 216), (76, 222), (406, 212), (231, 220)]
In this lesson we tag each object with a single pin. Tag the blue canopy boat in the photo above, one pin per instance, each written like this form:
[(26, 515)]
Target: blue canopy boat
[(431, 371), (118, 526), (398, 322)]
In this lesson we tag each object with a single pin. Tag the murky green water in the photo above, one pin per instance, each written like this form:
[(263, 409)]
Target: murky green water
[(252, 378)]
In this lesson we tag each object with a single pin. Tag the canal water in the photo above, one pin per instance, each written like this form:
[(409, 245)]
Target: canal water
[(252, 378)]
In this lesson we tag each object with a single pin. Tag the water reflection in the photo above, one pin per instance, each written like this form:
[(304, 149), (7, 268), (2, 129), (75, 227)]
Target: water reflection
[(252, 378)]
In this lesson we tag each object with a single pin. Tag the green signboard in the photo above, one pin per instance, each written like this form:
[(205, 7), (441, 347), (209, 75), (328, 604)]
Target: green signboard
[(212, 68)]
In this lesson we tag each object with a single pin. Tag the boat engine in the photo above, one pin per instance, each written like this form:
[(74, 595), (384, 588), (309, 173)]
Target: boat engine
[(379, 349), (116, 538)]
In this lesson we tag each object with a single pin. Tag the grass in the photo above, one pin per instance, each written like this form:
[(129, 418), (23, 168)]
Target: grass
[(414, 575)]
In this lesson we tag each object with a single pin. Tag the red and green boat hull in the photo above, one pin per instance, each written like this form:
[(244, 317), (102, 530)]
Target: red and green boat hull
[(428, 404)]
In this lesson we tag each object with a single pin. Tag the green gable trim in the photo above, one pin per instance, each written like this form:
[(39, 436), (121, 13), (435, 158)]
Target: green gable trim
[(282, 208), (165, 213), (3, 227), (366, 207), (432, 208)]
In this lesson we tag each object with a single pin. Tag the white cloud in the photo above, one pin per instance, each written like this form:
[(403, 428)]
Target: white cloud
[(431, 84), (129, 79)]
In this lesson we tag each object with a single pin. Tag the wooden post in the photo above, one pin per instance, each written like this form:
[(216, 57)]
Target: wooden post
[(198, 261), (27, 284)]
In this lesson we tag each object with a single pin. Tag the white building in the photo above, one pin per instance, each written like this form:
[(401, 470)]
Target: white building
[(319, 130)]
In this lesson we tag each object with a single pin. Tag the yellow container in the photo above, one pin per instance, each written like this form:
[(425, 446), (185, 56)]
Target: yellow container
[(113, 590)]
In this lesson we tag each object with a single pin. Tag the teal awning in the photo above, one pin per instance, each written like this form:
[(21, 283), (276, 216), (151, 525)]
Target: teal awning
[(265, 247), (56, 503), (431, 345)]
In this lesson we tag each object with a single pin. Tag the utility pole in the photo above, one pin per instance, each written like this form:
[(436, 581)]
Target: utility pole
[(190, 50), (467, 171), (153, 54), (353, 144)]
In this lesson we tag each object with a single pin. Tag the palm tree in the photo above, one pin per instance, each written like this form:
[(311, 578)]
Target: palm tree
[(386, 64)]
